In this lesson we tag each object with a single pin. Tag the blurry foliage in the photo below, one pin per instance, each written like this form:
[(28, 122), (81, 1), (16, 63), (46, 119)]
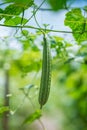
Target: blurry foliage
[(70, 73), (58, 45), (72, 93), (3, 109), (24, 61)]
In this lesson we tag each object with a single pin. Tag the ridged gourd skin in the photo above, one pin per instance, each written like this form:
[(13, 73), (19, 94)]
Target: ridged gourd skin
[(46, 74)]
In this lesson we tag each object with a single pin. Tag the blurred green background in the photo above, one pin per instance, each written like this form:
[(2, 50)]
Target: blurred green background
[(20, 71)]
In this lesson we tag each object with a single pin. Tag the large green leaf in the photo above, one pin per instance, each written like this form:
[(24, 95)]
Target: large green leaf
[(78, 23)]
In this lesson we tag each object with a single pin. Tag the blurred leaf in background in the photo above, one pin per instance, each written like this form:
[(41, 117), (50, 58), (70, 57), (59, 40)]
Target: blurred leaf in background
[(32, 117), (57, 4)]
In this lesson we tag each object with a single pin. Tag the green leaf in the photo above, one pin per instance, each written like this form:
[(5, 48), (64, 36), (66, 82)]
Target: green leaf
[(57, 4), (22, 3), (3, 109), (32, 117), (76, 21), (15, 21), (12, 10), (25, 32)]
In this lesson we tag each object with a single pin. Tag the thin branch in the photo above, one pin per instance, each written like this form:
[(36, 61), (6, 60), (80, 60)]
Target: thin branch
[(50, 9), (46, 9), (35, 11), (22, 19), (30, 100), (37, 28), (70, 21), (42, 124), (38, 24), (2, 14)]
